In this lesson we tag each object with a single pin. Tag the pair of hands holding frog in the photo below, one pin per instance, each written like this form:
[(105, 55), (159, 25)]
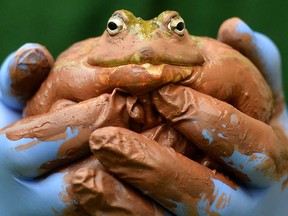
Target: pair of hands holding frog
[(46, 162)]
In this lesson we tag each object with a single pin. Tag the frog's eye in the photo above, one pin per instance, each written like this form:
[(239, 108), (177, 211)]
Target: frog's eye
[(177, 25), (115, 25)]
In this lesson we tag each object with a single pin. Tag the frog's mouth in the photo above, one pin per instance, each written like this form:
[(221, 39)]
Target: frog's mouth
[(134, 61), (146, 57)]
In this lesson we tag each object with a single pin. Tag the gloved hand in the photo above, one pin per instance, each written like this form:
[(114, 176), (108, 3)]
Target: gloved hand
[(181, 185), (253, 153), (34, 152)]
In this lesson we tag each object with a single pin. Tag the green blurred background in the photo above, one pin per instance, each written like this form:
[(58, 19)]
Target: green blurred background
[(58, 24)]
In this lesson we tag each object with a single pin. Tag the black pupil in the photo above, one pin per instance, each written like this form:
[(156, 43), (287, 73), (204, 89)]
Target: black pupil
[(112, 26), (180, 26)]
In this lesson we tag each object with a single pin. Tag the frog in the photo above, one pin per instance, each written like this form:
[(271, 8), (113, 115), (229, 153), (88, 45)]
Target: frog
[(140, 56)]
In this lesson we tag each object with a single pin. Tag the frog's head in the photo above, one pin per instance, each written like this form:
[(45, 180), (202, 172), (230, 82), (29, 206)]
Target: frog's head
[(132, 40)]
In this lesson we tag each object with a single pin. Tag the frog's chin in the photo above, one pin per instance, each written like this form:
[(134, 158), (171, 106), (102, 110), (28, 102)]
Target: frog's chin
[(159, 69)]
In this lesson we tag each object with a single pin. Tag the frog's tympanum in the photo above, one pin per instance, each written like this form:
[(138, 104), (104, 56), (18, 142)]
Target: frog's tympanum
[(141, 82)]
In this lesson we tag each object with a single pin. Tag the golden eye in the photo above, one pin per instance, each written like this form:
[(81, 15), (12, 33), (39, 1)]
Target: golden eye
[(177, 25), (115, 25)]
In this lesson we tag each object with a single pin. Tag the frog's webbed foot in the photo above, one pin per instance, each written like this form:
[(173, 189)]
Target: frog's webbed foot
[(255, 46), (22, 73)]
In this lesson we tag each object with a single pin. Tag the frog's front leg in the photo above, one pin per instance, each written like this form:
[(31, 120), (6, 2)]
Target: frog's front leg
[(22, 73)]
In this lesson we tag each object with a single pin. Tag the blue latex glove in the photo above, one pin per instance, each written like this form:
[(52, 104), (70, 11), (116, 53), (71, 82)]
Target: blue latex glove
[(17, 195), (20, 196), (259, 154)]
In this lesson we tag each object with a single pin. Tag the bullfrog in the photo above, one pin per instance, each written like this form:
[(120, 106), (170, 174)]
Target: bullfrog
[(139, 56)]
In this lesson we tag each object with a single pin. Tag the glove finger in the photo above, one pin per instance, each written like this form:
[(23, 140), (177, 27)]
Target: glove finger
[(248, 147), (100, 193), (36, 145), (260, 49), (179, 184), (22, 73)]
